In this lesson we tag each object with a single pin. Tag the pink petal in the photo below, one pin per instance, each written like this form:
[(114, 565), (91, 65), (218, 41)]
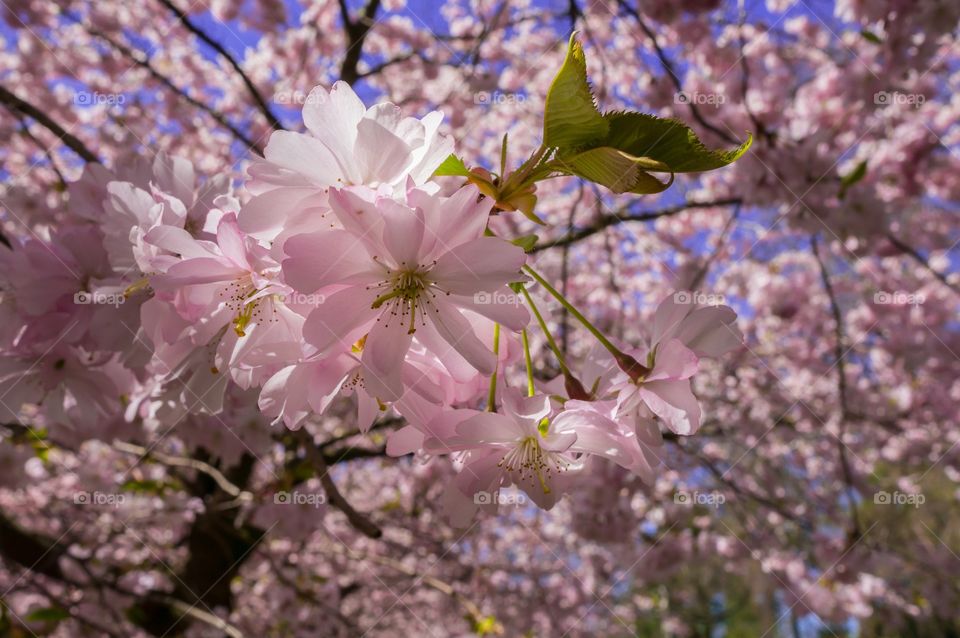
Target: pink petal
[(381, 155), (264, 215), (673, 361), (383, 354), (502, 306), (332, 117), (305, 155), (406, 440), (328, 257), (674, 402), (340, 319), (483, 264), (457, 331)]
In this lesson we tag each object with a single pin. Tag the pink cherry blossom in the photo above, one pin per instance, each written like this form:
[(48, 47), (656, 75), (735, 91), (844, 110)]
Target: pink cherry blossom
[(398, 271)]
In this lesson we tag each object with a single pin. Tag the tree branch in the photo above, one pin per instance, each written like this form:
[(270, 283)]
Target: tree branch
[(334, 497), (665, 61), (216, 46), (144, 63), (356, 34), (917, 257), (10, 100), (614, 219)]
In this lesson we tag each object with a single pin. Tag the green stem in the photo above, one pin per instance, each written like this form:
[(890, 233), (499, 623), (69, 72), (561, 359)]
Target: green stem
[(546, 331), (492, 395), (576, 313), (526, 358)]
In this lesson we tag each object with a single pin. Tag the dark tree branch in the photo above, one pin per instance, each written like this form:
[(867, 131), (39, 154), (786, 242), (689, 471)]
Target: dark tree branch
[(705, 268), (334, 497), (216, 46), (917, 257), (357, 31), (141, 60), (839, 351), (13, 102), (613, 219), (668, 66)]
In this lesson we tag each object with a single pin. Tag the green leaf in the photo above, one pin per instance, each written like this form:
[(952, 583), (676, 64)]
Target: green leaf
[(870, 36), (453, 165), (670, 142), (615, 169), (571, 118), (851, 178), (527, 242), (47, 615)]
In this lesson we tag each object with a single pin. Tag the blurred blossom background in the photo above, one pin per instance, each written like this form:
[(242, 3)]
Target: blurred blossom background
[(820, 497)]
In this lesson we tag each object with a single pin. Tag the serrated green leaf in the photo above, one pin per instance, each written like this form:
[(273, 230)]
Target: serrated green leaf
[(670, 142), (615, 169), (571, 119), (527, 242), (47, 615), (452, 166), (851, 178)]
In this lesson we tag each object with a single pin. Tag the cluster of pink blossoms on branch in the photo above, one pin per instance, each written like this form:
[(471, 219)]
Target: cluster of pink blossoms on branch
[(351, 272)]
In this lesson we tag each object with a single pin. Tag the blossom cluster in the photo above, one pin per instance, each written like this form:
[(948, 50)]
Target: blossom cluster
[(349, 271)]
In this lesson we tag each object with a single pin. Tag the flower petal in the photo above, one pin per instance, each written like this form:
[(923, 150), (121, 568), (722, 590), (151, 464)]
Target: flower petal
[(483, 264), (325, 258), (340, 319)]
